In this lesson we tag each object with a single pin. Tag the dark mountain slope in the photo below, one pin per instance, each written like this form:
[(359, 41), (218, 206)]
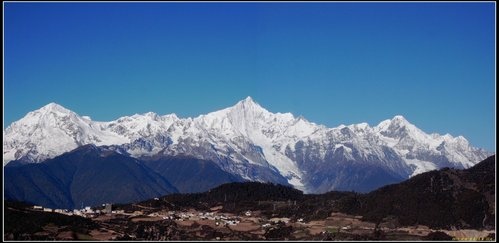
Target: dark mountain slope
[(189, 174), (87, 175), (357, 177)]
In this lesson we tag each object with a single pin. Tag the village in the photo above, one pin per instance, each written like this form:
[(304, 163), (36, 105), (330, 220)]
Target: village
[(251, 223), (219, 219)]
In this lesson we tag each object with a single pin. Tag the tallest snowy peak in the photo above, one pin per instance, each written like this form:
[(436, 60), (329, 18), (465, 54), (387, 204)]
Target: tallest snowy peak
[(248, 104), (247, 101)]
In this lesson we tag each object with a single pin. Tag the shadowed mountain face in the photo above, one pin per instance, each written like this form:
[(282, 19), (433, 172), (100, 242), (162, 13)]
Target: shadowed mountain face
[(357, 177), (189, 174), (88, 175), (91, 175)]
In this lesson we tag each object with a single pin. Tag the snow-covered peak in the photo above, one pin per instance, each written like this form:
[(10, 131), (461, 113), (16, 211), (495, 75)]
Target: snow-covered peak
[(398, 127), (246, 115), (171, 116), (461, 139), (248, 99), (50, 131), (48, 115), (247, 105), (152, 115), (54, 107), (138, 126), (359, 127), (400, 119)]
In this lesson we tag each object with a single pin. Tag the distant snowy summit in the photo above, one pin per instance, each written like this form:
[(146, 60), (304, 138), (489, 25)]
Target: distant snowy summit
[(251, 142)]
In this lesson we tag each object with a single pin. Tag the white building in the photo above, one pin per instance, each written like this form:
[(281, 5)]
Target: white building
[(284, 220), (77, 212)]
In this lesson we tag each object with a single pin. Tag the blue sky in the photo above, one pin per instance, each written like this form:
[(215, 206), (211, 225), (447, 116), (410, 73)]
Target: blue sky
[(333, 63)]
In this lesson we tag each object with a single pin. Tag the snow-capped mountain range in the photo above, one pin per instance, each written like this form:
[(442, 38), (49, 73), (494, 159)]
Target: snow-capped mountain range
[(249, 141)]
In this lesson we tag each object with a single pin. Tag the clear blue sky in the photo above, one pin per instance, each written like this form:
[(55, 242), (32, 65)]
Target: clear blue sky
[(333, 63)]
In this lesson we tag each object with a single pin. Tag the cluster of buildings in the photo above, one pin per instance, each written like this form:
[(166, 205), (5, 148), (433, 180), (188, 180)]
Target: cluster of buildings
[(220, 219), (87, 212)]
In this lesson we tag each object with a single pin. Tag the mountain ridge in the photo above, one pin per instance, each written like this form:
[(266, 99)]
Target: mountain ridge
[(249, 141)]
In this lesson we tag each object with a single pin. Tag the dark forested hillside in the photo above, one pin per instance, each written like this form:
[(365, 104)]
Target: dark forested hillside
[(439, 199)]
